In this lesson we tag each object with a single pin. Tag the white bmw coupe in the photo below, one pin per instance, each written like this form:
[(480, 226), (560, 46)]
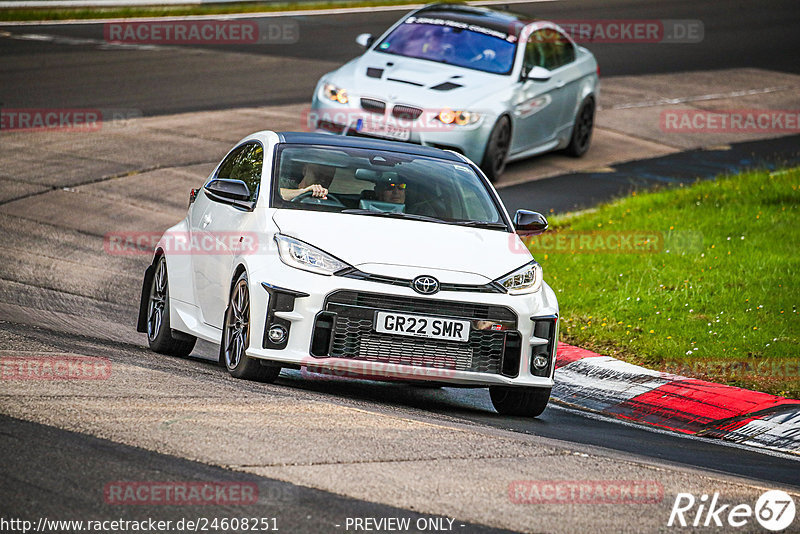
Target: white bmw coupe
[(362, 257), (489, 84)]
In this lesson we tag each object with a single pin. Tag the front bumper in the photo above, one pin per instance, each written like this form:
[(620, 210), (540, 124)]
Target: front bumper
[(341, 119), (329, 320)]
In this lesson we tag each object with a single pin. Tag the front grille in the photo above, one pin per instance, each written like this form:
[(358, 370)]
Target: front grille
[(439, 308), (406, 112), (353, 336), (373, 106), (352, 272)]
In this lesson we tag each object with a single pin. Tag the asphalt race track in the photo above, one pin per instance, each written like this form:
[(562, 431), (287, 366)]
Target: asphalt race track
[(72, 73), (319, 450)]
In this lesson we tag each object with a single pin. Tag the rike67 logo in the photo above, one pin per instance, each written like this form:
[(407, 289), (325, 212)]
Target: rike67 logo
[(774, 511)]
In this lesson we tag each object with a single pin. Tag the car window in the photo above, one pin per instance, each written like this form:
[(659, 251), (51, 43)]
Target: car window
[(548, 48), (381, 182), (452, 42), (244, 163)]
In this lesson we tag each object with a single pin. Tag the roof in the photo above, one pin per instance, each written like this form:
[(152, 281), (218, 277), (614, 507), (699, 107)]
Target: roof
[(494, 19), (306, 138)]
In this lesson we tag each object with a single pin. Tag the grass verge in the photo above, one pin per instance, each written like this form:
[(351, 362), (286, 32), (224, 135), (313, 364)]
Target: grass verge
[(698, 280), (85, 13)]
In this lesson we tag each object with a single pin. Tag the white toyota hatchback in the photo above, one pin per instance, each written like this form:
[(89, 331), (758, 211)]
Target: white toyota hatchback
[(355, 256)]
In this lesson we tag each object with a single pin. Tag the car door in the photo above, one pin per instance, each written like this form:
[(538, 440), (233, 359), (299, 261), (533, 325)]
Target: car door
[(537, 103), (223, 232), (561, 63)]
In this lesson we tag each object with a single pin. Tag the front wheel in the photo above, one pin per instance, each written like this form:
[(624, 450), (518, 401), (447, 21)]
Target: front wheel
[(494, 160), (236, 338), (582, 130), (160, 336), (525, 402)]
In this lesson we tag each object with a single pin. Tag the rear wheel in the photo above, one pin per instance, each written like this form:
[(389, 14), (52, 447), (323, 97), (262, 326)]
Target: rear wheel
[(525, 402), (494, 160), (160, 336), (236, 338), (582, 130)]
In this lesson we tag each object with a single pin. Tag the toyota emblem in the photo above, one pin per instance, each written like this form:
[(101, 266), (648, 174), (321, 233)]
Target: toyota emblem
[(425, 285)]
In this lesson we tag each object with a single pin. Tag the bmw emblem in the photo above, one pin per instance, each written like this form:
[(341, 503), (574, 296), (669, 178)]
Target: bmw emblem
[(425, 285)]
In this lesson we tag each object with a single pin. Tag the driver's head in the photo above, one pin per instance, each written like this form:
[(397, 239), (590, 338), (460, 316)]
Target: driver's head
[(394, 191), (314, 173)]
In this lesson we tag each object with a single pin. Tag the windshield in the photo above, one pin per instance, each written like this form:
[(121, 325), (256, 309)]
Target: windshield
[(452, 42), (382, 183)]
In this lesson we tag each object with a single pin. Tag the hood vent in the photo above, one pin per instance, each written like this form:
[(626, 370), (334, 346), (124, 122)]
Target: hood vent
[(446, 86), (405, 81), (372, 72)]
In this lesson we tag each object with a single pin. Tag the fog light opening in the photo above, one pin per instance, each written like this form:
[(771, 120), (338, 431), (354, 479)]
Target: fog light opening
[(540, 362), (277, 334)]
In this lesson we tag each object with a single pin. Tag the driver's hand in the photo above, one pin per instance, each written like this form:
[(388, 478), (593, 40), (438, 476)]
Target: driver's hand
[(317, 191)]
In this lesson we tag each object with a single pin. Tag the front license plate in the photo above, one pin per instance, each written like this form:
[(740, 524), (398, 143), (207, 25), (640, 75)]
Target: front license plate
[(421, 326), (389, 131)]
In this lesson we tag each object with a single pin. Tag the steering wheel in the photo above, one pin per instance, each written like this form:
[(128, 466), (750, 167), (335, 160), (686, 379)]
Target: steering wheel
[(308, 198)]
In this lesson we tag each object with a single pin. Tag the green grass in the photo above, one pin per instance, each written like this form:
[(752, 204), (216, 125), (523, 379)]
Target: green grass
[(29, 14), (717, 299)]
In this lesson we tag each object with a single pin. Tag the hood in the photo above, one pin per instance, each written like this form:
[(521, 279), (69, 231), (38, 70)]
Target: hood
[(416, 81), (406, 249)]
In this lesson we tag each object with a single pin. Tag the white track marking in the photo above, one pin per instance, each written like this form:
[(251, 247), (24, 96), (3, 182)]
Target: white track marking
[(700, 98), (232, 16)]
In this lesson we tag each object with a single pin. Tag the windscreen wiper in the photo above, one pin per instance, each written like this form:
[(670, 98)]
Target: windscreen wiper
[(395, 215), (482, 224)]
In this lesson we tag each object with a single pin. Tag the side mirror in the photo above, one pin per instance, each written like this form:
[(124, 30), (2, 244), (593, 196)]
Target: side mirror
[(232, 191), (539, 74), (529, 223), (365, 40)]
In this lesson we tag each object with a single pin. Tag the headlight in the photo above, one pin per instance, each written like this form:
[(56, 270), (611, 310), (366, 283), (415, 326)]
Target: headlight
[(526, 279), (334, 93), (301, 255), (461, 118)]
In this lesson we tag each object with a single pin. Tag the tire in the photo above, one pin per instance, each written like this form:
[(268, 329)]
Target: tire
[(159, 334), (582, 130), (494, 160), (525, 402), (236, 338)]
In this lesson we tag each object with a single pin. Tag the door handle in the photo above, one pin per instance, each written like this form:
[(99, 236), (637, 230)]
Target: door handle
[(560, 84), (206, 220)]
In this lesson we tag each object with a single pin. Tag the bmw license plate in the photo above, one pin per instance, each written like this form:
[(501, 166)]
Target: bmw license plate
[(378, 129), (422, 326)]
